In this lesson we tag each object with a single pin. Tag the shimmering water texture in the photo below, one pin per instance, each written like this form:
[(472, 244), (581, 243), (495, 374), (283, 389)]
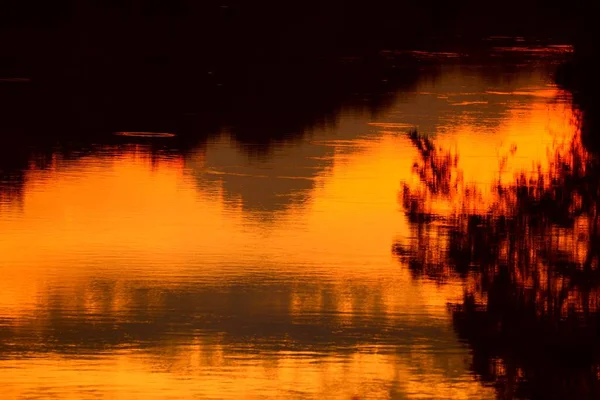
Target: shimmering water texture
[(444, 247)]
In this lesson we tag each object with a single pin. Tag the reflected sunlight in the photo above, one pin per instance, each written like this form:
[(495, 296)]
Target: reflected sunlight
[(219, 273)]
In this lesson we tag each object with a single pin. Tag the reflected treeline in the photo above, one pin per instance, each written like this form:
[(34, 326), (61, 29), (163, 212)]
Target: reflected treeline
[(262, 69), (33, 131), (265, 68), (264, 102), (72, 73), (78, 71), (529, 259)]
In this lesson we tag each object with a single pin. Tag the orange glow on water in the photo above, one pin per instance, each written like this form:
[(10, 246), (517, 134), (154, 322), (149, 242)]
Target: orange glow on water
[(217, 275)]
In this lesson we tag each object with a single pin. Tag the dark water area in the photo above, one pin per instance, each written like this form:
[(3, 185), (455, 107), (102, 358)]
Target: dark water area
[(375, 202), (187, 65)]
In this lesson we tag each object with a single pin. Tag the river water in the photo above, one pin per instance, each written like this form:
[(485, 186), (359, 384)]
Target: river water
[(134, 270)]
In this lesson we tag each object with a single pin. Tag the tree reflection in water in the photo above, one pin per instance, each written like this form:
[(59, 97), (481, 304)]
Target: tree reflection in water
[(528, 255)]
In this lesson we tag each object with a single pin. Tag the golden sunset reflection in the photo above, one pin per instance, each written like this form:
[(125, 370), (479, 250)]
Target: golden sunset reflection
[(217, 274), (82, 249)]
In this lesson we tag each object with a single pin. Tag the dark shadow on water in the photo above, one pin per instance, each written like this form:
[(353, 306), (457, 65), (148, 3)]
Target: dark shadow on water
[(196, 66), (188, 68)]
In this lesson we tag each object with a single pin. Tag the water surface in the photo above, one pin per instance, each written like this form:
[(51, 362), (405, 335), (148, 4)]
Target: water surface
[(134, 269)]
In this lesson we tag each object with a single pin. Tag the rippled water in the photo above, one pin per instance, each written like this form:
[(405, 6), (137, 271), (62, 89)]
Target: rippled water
[(135, 270)]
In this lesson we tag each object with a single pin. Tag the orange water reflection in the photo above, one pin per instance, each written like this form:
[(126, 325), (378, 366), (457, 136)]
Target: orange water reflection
[(216, 274), (100, 252)]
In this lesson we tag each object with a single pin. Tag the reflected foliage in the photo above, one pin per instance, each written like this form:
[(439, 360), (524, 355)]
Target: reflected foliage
[(529, 259)]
